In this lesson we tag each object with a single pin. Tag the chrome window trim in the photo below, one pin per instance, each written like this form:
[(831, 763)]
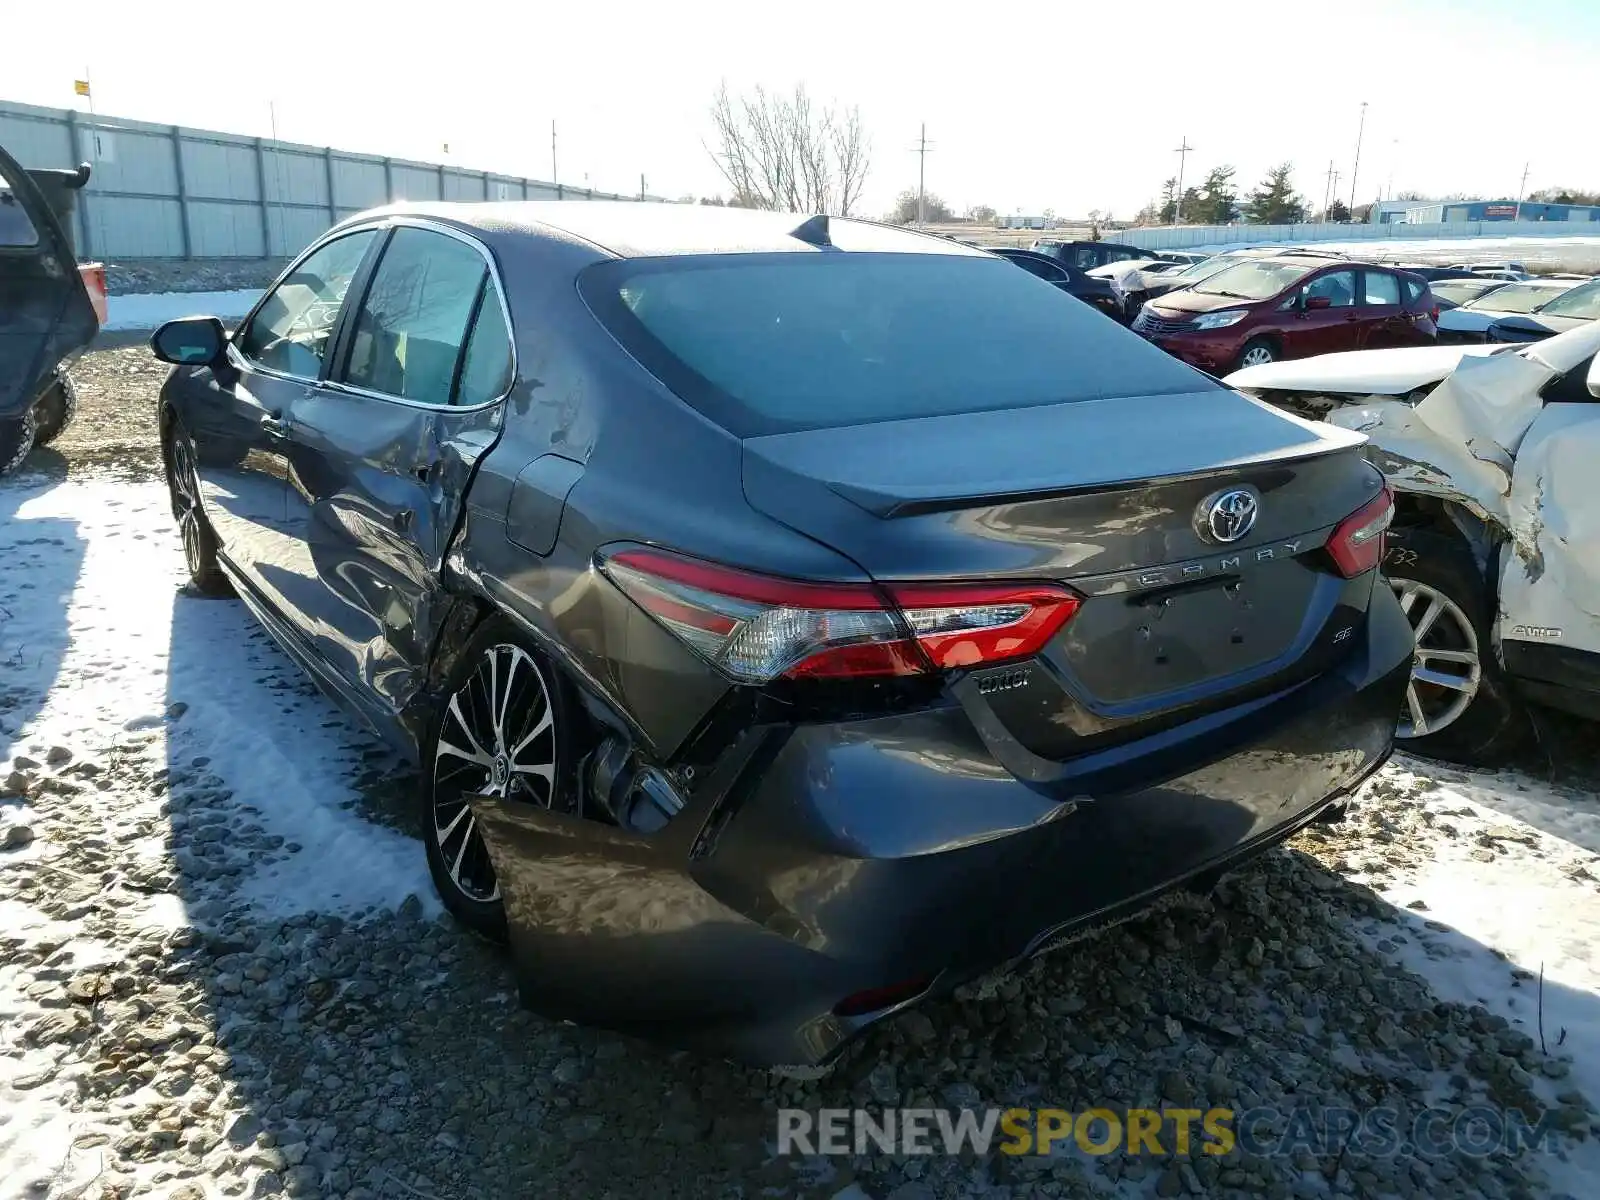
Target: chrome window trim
[(382, 224), (238, 357)]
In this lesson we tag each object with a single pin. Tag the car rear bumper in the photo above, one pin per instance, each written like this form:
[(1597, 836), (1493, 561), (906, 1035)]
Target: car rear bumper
[(817, 862)]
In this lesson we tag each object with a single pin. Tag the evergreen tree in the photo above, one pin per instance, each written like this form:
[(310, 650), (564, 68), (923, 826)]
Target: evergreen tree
[(1274, 201)]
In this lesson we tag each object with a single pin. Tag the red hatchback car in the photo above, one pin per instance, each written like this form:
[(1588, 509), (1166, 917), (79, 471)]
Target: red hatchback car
[(1290, 306)]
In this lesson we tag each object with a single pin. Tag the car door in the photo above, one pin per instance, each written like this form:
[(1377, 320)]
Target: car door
[(237, 418), (1321, 317), (46, 315), (381, 454), (1548, 627), (1381, 319)]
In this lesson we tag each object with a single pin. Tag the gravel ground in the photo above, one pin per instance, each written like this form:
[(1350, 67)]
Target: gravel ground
[(204, 1046), (185, 275)]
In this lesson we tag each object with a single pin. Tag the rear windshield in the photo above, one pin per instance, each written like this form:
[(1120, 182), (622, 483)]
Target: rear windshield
[(1582, 301), (770, 343), (1515, 298), (1255, 279)]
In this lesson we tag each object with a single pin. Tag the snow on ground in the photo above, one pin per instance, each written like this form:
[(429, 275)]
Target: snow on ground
[(1486, 924), (99, 646), (97, 623), (1475, 248), (151, 310), (105, 612)]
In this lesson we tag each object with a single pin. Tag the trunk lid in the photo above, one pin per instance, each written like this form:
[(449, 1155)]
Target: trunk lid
[(1103, 496)]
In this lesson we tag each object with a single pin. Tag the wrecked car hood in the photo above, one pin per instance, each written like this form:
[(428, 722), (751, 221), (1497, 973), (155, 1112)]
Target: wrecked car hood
[(1460, 442), (1359, 372)]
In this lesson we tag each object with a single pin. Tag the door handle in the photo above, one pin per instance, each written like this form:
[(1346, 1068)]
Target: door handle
[(275, 425)]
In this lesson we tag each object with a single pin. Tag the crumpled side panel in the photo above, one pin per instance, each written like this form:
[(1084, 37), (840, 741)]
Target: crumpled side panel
[(1487, 404), (1550, 580), (1417, 458)]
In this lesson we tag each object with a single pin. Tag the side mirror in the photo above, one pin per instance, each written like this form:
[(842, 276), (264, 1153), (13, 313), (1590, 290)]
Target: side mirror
[(190, 342), (1310, 303), (1594, 376)]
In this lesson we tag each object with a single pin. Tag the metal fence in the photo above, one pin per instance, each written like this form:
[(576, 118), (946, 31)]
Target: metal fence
[(1182, 237), (167, 191)]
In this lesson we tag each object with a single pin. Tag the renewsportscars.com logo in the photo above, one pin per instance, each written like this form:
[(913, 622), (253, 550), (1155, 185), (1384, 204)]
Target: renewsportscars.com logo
[(1378, 1132)]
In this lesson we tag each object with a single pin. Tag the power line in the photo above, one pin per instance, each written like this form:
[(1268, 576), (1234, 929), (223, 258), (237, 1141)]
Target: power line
[(921, 151), (1356, 166), (1177, 202)]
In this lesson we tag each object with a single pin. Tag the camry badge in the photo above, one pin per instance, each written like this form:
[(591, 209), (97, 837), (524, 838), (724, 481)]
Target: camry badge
[(1229, 515)]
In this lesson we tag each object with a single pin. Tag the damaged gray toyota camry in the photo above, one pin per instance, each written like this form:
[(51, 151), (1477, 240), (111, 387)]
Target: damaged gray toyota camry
[(792, 617)]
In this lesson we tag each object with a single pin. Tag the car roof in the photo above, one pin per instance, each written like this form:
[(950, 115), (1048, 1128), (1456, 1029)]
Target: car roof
[(645, 229)]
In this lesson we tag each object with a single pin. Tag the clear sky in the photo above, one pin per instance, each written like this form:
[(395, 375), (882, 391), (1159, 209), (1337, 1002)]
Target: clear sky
[(1027, 106)]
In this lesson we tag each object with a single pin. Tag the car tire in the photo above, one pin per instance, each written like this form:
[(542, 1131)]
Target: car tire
[(1257, 352), (16, 441), (54, 410), (527, 754), (199, 540), (1438, 583)]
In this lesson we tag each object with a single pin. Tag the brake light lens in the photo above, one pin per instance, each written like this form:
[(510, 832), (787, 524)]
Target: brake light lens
[(1357, 544), (757, 628)]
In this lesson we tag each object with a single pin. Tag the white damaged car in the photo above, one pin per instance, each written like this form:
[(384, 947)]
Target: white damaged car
[(1494, 455)]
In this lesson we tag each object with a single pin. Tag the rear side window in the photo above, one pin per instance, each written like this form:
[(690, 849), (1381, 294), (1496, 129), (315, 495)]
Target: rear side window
[(1382, 287), (486, 370), (772, 343), (16, 227), (1039, 267), (1414, 289), (412, 323)]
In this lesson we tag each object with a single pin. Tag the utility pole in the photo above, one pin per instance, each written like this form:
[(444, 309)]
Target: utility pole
[(1327, 191), (921, 151), (1522, 190), (554, 177), (1177, 199), (641, 185), (1356, 166)]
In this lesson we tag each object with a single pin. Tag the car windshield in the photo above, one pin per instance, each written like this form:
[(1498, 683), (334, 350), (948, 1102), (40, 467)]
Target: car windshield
[(777, 343), (1515, 298), (1582, 301), (1253, 280), (1459, 291), (1209, 266)]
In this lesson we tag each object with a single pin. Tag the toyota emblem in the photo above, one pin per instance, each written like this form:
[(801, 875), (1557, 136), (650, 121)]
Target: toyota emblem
[(1229, 515)]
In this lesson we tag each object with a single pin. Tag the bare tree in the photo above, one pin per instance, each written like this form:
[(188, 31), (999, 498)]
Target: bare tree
[(778, 152)]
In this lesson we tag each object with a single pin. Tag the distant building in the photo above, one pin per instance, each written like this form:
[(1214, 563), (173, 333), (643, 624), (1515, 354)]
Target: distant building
[(1386, 212), (1501, 210), (1019, 221)]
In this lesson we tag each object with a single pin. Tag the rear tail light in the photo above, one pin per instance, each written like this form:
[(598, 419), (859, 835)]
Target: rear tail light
[(1433, 314), (757, 628), (1357, 544)]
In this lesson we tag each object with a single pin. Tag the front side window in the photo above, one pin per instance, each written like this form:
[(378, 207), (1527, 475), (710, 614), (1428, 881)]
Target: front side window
[(1337, 287), (412, 323), (291, 330), (773, 343), (1382, 288)]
